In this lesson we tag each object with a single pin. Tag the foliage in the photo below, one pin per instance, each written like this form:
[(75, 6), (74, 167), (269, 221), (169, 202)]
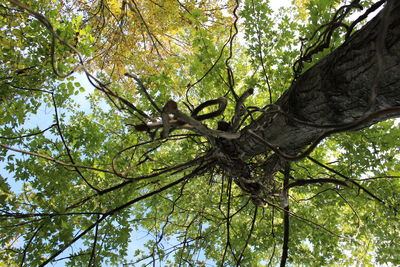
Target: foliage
[(78, 186)]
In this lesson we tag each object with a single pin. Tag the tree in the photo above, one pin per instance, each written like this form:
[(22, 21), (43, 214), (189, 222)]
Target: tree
[(193, 137)]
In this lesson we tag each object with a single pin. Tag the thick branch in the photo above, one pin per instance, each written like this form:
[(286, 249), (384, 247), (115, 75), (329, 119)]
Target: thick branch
[(334, 95)]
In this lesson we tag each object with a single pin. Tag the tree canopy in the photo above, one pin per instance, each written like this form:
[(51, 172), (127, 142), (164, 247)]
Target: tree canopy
[(222, 133)]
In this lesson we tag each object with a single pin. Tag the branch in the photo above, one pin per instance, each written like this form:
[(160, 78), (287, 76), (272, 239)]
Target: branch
[(307, 220), (286, 225), (229, 41), (67, 148), (27, 135), (253, 223), (144, 89), (228, 223), (261, 55), (55, 160), (29, 243), (93, 253), (363, 16), (359, 123), (17, 215), (177, 168), (114, 159), (301, 182), (93, 80), (103, 88), (151, 35), (239, 109), (347, 178), (54, 35), (378, 177), (354, 211), (200, 128), (119, 208), (221, 102), (324, 38), (231, 79), (272, 235), (59, 251)]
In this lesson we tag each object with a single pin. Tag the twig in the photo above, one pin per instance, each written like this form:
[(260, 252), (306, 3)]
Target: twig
[(348, 179), (301, 182), (119, 208), (228, 42), (228, 223), (151, 35), (261, 55), (306, 220), (27, 135), (55, 160), (54, 35), (253, 223), (93, 80), (177, 168), (231, 78), (93, 253), (354, 211), (67, 148), (144, 89), (29, 243), (324, 38)]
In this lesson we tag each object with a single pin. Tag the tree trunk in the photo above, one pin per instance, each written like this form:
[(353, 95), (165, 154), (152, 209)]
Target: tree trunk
[(334, 95)]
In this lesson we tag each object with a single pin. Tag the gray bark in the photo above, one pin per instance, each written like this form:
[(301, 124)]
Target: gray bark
[(335, 93)]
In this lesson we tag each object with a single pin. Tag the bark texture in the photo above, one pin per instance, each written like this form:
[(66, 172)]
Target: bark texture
[(334, 94)]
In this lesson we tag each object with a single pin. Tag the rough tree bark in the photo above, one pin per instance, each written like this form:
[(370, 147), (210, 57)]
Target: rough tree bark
[(334, 95)]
